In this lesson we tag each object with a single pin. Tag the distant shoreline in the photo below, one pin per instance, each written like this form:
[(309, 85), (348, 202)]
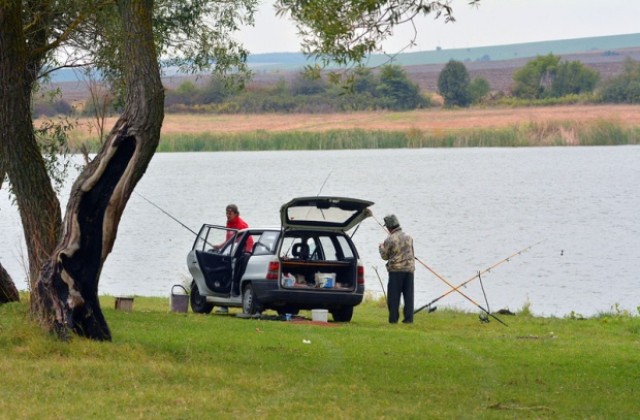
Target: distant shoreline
[(436, 127)]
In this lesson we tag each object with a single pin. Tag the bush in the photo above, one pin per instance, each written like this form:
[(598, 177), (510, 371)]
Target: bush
[(397, 91), (534, 80), (453, 84), (52, 108), (573, 78), (478, 89), (546, 77), (365, 91), (624, 88), (308, 85)]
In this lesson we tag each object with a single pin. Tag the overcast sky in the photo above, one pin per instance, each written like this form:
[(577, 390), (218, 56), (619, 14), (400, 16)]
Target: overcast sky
[(493, 22)]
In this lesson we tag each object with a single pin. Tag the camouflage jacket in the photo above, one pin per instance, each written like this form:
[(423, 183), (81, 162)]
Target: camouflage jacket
[(397, 250)]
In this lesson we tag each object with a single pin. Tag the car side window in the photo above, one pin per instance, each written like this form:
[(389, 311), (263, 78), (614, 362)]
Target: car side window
[(201, 240), (226, 250), (328, 248), (345, 247), (209, 238), (265, 243), (216, 239), (236, 241), (288, 246)]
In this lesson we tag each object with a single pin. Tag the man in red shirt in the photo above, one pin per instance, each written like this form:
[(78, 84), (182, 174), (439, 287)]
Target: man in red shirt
[(234, 221)]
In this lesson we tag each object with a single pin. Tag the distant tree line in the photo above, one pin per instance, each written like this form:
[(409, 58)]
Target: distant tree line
[(543, 80), (389, 89)]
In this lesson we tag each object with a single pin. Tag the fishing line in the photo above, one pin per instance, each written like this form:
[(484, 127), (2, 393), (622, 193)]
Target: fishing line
[(167, 213)]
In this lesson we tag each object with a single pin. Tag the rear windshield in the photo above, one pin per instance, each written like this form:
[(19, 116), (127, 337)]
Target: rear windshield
[(317, 246)]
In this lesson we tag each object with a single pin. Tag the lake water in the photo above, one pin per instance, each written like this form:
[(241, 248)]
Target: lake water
[(466, 209)]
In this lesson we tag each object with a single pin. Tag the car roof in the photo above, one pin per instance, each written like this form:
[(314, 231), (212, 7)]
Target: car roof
[(324, 213)]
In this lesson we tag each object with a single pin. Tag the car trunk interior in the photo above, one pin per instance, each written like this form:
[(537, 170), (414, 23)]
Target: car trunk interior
[(321, 275)]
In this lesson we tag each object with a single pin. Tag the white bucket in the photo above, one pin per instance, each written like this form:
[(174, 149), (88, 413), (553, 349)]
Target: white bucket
[(320, 315)]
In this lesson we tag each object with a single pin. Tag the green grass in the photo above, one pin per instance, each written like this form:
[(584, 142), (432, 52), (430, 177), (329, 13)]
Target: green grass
[(446, 365)]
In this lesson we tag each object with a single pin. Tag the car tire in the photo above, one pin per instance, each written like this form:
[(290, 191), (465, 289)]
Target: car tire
[(342, 314), (199, 304), (250, 303)]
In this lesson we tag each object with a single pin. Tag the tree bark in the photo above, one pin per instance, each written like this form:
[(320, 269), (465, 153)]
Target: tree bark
[(8, 290), (68, 284), (19, 154)]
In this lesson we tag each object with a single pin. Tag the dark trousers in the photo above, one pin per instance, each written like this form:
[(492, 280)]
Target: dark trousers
[(400, 283)]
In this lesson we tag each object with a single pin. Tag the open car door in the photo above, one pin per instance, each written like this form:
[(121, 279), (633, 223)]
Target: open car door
[(217, 271), (214, 249)]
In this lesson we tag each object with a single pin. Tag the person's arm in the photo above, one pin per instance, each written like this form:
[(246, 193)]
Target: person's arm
[(384, 249)]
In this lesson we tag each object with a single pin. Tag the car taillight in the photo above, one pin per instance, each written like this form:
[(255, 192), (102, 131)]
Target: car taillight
[(360, 277), (273, 270)]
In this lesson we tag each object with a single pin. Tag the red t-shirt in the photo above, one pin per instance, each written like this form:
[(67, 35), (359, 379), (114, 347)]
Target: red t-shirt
[(238, 223)]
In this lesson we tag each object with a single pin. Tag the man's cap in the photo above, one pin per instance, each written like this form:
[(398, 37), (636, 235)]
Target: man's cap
[(391, 221)]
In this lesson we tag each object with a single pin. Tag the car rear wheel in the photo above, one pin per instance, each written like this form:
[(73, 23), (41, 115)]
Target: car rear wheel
[(199, 304), (250, 304), (343, 314)]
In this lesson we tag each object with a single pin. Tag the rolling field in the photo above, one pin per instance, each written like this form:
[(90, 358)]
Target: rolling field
[(429, 120)]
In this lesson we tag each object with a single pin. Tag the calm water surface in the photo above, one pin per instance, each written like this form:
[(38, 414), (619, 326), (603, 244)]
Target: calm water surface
[(466, 209)]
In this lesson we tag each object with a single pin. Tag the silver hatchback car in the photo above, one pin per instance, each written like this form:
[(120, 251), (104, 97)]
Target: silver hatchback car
[(309, 262)]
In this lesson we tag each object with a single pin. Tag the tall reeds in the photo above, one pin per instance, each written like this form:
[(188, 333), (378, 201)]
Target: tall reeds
[(532, 134)]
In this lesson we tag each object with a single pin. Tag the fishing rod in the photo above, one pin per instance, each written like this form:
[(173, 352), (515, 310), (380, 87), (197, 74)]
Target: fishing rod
[(460, 292), (378, 222), (475, 276), (457, 289), (381, 285), (321, 211), (325, 181), (483, 318), (165, 212)]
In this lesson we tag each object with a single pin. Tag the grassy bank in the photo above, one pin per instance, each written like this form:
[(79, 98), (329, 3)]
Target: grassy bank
[(445, 365), (520, 135)]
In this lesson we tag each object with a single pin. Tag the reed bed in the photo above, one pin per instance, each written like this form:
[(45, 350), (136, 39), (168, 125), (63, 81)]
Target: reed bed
[(530, 134)]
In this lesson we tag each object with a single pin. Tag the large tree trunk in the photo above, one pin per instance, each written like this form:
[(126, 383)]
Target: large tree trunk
[(68, 285), (8, 290), (19, 154)]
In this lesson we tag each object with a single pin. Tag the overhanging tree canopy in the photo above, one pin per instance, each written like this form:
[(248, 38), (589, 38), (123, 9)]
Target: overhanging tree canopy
[(125, 38)]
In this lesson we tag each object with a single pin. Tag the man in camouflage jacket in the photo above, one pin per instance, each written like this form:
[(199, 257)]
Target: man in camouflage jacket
[(397, 250)]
